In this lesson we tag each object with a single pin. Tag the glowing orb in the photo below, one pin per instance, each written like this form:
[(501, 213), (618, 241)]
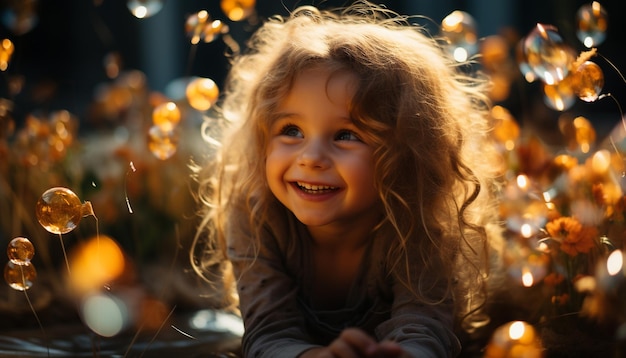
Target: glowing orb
[(547, 55), (588, 81), (20, 251), (202, 93), (166, 116), (142, 9), (59, 210), (20, 277), (162, 143), (591, 24), (95, 263), (459, 29), (237, 10)]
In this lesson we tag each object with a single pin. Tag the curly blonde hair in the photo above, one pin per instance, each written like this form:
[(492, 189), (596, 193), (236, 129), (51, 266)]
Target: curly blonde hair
[(425, 115)]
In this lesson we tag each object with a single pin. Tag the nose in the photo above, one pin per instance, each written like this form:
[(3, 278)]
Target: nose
[(314, 154)]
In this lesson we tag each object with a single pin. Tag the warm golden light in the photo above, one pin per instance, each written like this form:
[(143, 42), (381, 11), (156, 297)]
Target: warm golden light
[(615, 262), (516, 331), (527, 277), (95, 263), (166, 116), (526, 230), (522, 181), (601, 162)]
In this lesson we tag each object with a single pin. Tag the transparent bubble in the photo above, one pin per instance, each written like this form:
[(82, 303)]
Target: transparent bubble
[(520, 57), (591, 24), (588, 81), (6, 52), (214, 30), (525, 265), (523, 207), (166, 116), (202, 93), (547, 55), (162, 143), (144, 8), (195, 25), (20, 250), (579, 134), (237, 10), (59, 210), (459, 29), (559, 96), (20, 277)]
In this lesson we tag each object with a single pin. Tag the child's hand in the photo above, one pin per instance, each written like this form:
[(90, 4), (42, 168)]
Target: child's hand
[(354, 343)]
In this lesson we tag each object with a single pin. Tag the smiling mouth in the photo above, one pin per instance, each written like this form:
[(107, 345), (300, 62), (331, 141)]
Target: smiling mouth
[(315, 189)]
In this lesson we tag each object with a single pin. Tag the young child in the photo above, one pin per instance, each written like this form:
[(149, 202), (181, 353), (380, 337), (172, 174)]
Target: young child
[(349, 198)]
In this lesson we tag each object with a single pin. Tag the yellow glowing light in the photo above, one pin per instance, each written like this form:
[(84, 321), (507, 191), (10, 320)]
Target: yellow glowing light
[(202, 93), (527, 277), (517, 329), (522, 181), (237, 10), (526, 230), (6, 51), (601, 161), (615, 262), (166, 116), (95, 263), (460, 54)]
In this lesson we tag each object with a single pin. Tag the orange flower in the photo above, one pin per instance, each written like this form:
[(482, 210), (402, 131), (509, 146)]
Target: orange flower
[(573, 237)]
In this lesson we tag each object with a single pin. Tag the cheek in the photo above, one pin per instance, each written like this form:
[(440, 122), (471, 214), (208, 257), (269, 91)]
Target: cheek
[(274, 165)]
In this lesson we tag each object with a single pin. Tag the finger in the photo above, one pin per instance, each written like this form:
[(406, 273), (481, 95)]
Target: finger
[(340, 348), (358, 339), (387, 349)]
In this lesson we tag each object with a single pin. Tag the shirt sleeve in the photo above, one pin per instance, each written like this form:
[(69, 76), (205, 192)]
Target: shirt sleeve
[(267, 291), (422, 329)]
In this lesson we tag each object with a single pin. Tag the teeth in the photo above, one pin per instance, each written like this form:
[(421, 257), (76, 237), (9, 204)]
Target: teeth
[(311, 187)]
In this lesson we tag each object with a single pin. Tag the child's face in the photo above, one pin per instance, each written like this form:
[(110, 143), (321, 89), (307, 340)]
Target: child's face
[(317, 165)]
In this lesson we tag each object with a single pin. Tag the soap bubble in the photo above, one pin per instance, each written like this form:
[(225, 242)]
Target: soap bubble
[(588, 81), (59, 210), (166, 116), (20, 250), (459, 29), (202, 93), (162, 143), (591, 24), (559, 96), (547, 55), (20, 277), (199, 26)]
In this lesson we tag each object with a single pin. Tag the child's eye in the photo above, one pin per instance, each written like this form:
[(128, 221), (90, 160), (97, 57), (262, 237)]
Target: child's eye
[(347, 135), (290, 130)]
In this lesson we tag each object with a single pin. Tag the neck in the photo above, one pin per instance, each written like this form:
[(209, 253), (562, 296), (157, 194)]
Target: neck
[(338, 237)]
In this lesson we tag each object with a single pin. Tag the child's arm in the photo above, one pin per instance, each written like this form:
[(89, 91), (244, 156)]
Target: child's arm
[(423, 330), (274, 325)]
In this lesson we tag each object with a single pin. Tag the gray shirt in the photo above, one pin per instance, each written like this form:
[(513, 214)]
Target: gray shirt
[(273, 286)]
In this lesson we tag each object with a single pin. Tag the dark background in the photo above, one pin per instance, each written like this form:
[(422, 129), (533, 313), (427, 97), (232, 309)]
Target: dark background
[(67, 45)]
